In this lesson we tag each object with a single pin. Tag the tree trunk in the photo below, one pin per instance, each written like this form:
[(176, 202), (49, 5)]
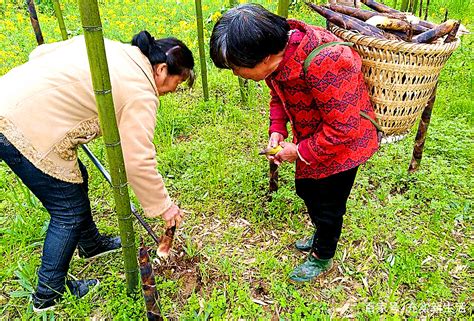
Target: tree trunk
[(59, 16), (92, 26), (202, 54)]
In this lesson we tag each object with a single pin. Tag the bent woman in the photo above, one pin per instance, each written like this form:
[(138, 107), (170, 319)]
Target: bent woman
[(48, 108)]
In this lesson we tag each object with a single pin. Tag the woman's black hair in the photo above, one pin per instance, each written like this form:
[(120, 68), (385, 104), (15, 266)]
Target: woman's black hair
[(245, 35), (177, 56)]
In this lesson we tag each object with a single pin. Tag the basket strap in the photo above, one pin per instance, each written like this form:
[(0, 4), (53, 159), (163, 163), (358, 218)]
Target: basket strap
[(316, 51)]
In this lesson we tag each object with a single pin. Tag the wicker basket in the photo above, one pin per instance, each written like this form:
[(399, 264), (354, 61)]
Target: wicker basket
[(400, 76)]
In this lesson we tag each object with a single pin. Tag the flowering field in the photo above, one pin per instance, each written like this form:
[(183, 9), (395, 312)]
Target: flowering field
[(407, 243)]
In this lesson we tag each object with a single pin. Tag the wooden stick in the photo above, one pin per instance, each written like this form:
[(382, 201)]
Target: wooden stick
[(99, 69), (35, 22), (421, 133), (202, 54)]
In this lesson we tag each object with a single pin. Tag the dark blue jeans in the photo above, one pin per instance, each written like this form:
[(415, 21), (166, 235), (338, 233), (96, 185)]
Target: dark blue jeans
[(71, 222)]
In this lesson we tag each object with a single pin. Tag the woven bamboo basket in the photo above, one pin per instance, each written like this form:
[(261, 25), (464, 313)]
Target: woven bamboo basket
[(400, 76)]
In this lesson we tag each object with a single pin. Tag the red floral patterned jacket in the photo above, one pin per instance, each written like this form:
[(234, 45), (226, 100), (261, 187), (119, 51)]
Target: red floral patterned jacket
[(323, 104)]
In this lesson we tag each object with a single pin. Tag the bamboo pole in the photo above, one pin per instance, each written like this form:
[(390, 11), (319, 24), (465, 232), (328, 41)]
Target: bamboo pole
[(243, 85), (59, 16), (92, 26), (421, 134), (35, 22), (202, 54), (404, 5), (283, 8)]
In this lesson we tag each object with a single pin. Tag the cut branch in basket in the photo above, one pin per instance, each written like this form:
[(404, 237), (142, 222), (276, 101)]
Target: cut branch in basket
[(436, 33), (350, 23)]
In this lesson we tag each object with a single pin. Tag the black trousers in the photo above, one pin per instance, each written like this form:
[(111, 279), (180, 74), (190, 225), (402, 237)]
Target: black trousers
[(326, 200)]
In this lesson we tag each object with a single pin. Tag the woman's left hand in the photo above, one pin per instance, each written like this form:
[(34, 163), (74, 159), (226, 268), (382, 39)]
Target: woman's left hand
[(287, 154)]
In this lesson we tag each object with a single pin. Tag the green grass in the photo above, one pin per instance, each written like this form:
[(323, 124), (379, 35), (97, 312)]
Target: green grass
[(406, 248)]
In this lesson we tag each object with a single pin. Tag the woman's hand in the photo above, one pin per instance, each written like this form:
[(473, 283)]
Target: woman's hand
[(173, 216), (274, 141), (287, 154)]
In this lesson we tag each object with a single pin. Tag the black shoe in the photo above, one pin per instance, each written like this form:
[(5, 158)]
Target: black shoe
[(80, 288), (77, 288), (44, 302), (105, 244)]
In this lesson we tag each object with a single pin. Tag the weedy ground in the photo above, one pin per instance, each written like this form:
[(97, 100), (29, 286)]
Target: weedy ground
[(407, 243)]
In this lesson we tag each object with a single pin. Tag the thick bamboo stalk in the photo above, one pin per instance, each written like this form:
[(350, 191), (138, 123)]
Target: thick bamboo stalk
[(202, 54), (35, 22), (283, 8), (59, 16), (93, 34), (421, 134)]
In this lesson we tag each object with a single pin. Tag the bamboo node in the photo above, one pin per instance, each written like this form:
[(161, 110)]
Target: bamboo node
[(92, 28), (112, 144), (120, 186), (102, 92)]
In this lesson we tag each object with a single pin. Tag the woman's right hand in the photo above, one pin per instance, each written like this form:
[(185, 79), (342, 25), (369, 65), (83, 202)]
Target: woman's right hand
[(274, 141), (173, 216)]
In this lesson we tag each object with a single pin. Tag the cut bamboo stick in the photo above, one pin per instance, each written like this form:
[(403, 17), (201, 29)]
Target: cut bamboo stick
[(93, 35)]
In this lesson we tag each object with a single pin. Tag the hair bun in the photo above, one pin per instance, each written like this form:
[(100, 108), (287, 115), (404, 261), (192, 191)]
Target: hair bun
[(144, 41)]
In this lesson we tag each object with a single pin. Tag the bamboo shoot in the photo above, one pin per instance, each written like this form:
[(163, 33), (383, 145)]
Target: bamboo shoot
[(435, 33), (350, 23), (166, 242), (148, 284), (453, 33)]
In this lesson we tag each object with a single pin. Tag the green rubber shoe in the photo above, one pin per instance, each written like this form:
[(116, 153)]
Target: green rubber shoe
[(311, 269), (304, 244)]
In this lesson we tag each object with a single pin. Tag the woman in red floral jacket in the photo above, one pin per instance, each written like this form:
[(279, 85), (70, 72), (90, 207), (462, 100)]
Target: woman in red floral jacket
[(324, 103)]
